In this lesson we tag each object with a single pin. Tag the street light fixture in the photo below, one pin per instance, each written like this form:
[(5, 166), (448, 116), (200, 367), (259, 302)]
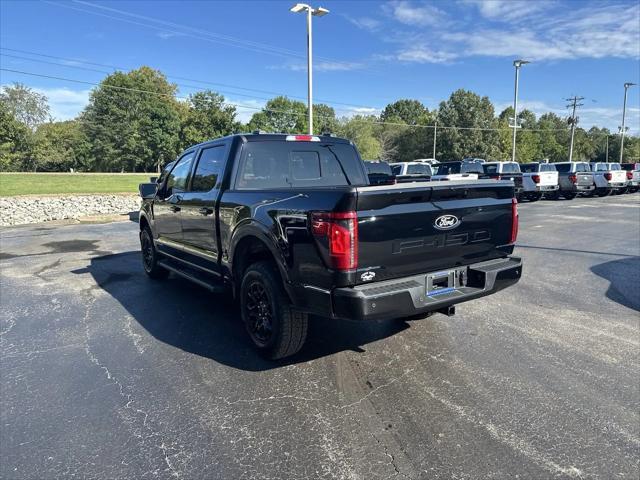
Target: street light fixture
[(624, 111), (516, 63), (315, 12)]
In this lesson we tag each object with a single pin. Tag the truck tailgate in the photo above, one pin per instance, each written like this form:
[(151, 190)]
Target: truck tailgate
[(584, 178), (408, 229), (548, 178)]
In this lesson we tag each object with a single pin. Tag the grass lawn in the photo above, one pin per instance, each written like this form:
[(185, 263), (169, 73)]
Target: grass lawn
[(70, 183)]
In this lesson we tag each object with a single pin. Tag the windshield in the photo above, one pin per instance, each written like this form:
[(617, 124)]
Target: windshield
[(448, 168), (418, 169)]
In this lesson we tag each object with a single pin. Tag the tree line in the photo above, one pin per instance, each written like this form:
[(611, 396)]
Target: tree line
[(134, 122)]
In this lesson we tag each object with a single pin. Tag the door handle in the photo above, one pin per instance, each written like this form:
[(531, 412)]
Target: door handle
[(205, 211), (174, 208)]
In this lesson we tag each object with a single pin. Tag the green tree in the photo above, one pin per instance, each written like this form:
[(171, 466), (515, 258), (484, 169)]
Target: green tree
[(473, 113), (280, 115), (324, 119), (27, 106), (554, 138), (206, 117), (527, 139), (16, 142), (61, 146), (407, 111), (362, 131), (133, 121)]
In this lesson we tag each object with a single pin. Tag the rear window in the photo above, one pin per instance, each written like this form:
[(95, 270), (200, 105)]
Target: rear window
[(418, 169), (490, 169), (547, 167), (563, 167), (614, 166), (583, 167), (472, 168), (529, 167), (510, 168), (448, 169), (265, 165), (600, 167)]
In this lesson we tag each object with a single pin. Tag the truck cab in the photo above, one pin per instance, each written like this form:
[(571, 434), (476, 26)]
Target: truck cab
[(504, 171)]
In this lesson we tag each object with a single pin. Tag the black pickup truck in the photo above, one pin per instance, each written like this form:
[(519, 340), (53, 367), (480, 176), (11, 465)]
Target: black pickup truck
[(291, 226)]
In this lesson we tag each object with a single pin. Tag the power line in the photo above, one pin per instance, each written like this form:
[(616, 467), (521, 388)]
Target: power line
[(251, 107), (200, 34), (205, 82)]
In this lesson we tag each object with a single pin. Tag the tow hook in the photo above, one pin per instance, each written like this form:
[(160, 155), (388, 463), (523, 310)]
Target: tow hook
[(448, 311)]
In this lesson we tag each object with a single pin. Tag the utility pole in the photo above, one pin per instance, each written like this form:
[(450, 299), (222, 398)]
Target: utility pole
[(315, 12), (517, 64), (573, 121), (435, 136), (624, 111)]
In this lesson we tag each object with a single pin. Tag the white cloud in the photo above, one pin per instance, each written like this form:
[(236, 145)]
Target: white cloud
[(508, 10), (364, 23), (536, 30), (65, 103), (413, 14), (323, 66), (423, 54)]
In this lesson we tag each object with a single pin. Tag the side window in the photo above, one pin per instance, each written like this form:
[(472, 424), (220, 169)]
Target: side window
[(396, 169), (177, 180), (209, 169)]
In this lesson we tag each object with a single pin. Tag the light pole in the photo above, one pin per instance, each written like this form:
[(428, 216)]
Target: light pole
[(517, 64), (435, 136), (316, 12), (624, 111)]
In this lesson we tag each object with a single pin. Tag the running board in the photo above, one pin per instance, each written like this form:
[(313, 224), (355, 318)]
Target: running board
[(188, 276)]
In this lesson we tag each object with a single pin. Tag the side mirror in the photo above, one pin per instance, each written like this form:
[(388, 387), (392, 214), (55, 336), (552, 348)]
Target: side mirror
[(147, 190)]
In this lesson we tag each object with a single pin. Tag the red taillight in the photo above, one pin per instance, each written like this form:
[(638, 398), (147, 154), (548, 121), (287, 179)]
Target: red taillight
[(573, 178), (341, 233), (608, 176), (302, 138), (629, 175), (514, 221), (497, 177), (535, 178)]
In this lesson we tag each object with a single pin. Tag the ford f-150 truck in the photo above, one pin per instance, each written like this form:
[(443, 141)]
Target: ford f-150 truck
[(608, 177), (291, 226), (538, 179), (574, 178)]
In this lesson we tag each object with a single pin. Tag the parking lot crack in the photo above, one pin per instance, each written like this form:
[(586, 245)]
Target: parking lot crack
[(129, 404)]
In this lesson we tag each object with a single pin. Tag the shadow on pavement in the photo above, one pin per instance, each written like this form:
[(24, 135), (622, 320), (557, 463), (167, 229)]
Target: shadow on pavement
[(190, 318), (624, 278)]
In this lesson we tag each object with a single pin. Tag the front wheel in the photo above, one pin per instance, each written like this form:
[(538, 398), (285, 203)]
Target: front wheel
[(150, 256), (275, 328)]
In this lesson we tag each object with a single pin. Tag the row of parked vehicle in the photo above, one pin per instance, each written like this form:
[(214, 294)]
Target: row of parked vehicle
[(533, 181)]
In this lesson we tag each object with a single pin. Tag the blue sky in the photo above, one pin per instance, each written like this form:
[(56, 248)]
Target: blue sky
[(367, 54)]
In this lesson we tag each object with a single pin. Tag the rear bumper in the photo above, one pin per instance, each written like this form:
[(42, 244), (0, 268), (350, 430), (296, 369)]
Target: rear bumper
[(546, 188), (404, 297)]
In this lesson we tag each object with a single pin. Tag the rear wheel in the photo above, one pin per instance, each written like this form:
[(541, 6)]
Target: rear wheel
[(569, 195), (275, 328), (150, 256), (534, 197), (603, 192), (555, 195)]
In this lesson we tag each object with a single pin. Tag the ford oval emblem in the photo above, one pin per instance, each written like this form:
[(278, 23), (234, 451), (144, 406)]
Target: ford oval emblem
[(446, 222)]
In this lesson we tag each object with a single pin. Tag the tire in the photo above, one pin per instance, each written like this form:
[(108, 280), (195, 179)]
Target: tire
[(150, 256), (603, 192), (534, 197), (275, 328), (569, 195), (555, 195)]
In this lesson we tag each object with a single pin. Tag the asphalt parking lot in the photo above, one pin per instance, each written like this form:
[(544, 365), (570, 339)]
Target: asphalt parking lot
[(107, 374)]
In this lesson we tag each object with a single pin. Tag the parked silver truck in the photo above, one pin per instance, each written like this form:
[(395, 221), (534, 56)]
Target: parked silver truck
[(574, 178)]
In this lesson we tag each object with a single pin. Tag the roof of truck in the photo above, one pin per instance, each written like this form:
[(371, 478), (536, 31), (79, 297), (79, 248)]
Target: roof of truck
[(266, 137)]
